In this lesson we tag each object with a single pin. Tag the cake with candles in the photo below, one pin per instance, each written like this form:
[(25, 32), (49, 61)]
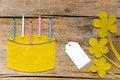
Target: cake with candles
[(31, 52)]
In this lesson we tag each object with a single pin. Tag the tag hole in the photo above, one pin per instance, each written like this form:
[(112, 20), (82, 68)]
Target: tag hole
[(69, 45)]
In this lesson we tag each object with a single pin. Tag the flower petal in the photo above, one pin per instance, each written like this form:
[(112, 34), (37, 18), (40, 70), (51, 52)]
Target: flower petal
[(97, 23), (113, 29), (98, 54), (102, 61), (104, 50), (102, 73), (93, 68), (103, 15), (102, 32), (99, 61), (112, 19), (107, 66), (91, 50), (96, 62), (93, 42), (103, 41)]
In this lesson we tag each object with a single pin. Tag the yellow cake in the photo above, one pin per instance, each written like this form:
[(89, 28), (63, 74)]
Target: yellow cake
[(40, 55)]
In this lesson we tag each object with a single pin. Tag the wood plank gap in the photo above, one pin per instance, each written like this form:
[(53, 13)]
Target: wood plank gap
[(67, 77), (55, 16)]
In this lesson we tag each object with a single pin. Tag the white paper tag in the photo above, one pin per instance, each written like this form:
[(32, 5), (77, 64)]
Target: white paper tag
[(76, 54)]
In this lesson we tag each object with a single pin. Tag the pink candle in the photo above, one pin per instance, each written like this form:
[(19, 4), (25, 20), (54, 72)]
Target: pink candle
[(31, 27), (40, 26)]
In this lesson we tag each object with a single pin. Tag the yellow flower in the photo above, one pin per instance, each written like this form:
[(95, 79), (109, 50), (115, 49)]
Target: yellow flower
[(98, 48), (101, 67), (105, 24)]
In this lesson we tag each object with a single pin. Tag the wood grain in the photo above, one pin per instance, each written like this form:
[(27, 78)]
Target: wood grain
[(33, 8), (72, 21), (44, 78), (64, 30)]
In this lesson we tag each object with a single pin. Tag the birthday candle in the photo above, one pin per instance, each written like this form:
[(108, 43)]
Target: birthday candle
[(13, 28), (40, 26), (31, 27), (23, 25), (50, 28)]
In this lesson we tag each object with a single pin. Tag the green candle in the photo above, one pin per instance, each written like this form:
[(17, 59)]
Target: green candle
[(13, 28)]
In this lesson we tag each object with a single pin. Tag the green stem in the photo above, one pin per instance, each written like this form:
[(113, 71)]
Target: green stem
[(118, 66), (113, 74), (113, 48)]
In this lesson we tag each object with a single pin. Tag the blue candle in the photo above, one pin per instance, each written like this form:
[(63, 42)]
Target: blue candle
[(50, 28)]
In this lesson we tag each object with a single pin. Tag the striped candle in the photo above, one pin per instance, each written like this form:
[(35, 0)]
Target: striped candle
[(39, 26), (13, 28), (50, 28), (31, 27)]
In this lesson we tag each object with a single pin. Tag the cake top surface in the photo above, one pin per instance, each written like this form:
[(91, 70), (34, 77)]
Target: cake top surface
[(35, 39)]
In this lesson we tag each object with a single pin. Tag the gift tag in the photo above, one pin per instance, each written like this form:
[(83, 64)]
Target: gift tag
[(76, 54)]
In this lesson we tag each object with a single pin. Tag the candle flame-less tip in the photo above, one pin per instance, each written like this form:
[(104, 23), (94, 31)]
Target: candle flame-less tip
[(30, 21), (13, 18)]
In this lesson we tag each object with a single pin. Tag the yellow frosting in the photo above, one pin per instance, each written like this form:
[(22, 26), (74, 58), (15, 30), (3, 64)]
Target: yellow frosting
[(40, 56), (35, 39)]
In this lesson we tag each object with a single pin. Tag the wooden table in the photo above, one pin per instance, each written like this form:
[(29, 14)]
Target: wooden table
[(72, 21)]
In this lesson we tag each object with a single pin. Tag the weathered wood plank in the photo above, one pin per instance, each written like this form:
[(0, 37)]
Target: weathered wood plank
[(33, 8), (44, 78), (64, 29), (50, 79)]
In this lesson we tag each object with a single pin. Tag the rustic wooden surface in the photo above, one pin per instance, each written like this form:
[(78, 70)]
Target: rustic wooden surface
[(64, 29), (72, 21), (58, 7)]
